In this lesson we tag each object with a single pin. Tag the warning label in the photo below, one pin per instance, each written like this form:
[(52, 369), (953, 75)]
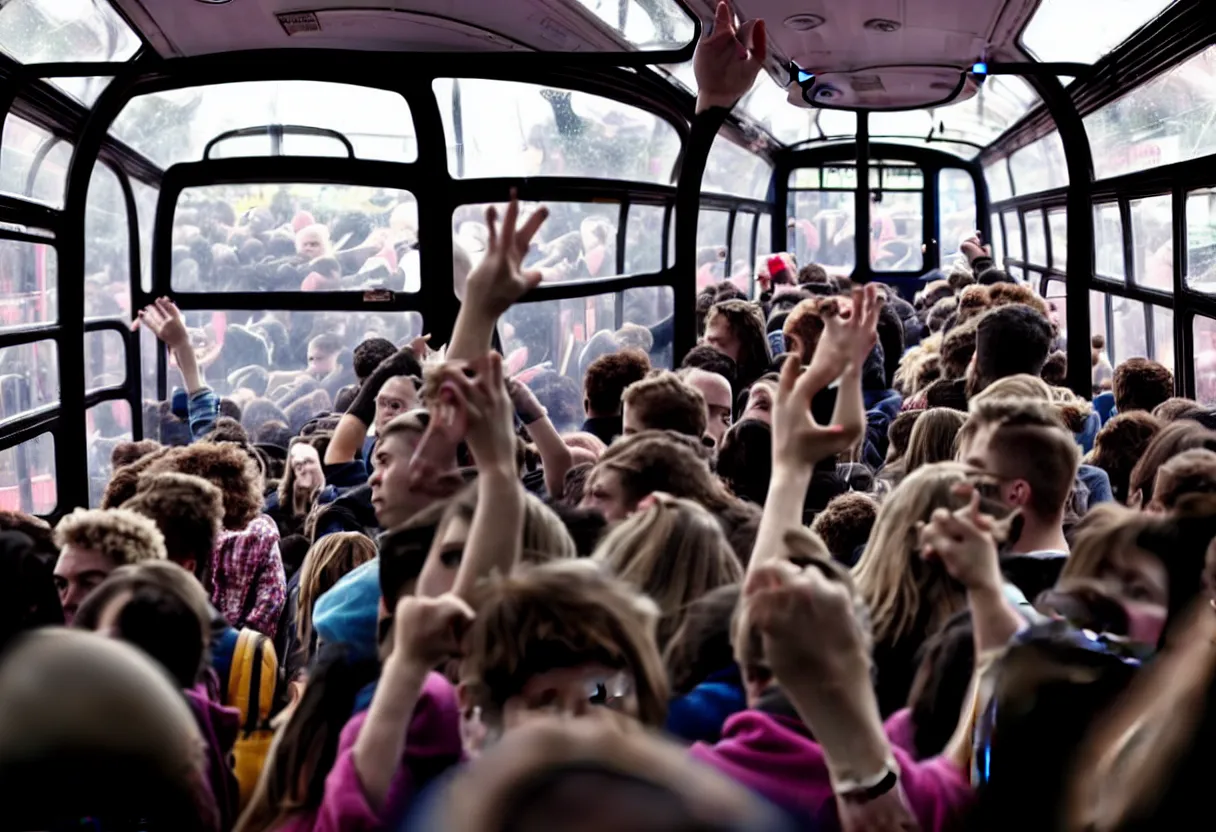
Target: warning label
[(297, 23)]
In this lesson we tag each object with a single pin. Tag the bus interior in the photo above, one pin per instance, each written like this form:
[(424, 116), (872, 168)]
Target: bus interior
[(196, 149)]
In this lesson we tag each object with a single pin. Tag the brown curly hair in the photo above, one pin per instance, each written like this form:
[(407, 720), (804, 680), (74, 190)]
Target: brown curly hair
[(658, 461), (957, 348), (746, 321), (846, 523), (608, 376), (124, 482), (228, 468), (1142, 384), (186, 509)]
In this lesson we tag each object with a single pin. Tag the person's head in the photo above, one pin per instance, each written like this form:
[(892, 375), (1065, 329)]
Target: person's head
[(1190, 472), (28, 599), (606, 379), (1120, 444), (662, 401), (226, 466), (313, 241), (323, 354), (398, 395), (845, 525), (736, 328), (39, 532), (673, 551), (759, 400), (899, 434), (188, 511), (303, 475), (958, 348), (98, 714), (719, 401), (745, 459), (125, 453), (1055, 371), (369, 354), (701, 646), (158, 607), (92, 544), (563, 637), (1021, 450), (1009, 340), (586, 442), (933, 438), (712, 360), (1171, 410), (1166, 444), (647, 462), (260, 412), (331, 557), (1021, 386), (394, 497), (544, 538), (1142, 384)]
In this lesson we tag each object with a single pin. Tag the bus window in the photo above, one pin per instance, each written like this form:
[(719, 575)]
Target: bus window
[(145, 209), (504, 128), (711, 246), (1057, 301), (50, 31), (821, 222), (732, 170), (741, 251), (1163, 335), (1057, 227), (1153, 242), (107, 258), (1130, 337), (27, 477), (1108, 242), (29, 285), (1039, 166), (26, 146), (644, 239), (106, 425), (1201, 241), (1204, 331), (996, 175), (764, 235), (290, 238), (1097, 318), (105, 362), (1064, 30), (898, 227), (998, 240), (956, 211), (29, 377), (1036, 238), (1013, 237)]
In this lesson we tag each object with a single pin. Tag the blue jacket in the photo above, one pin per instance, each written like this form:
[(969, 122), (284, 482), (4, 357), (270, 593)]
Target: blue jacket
[(697, 716)]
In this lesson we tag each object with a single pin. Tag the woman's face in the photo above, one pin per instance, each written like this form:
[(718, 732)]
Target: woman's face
[(443, 560), (1139, 580), (306, 468)]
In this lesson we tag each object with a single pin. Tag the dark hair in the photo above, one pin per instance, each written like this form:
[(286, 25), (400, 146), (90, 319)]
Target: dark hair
[(747, 325), (1055, 371), (608, 376), (585, 525), (900, 431), (345, 398), (845, 525), (1010, 340), (1142, 384), (370, 354), (230, 409), (27, 589), (163, 626), (891, 337), (1170, 441), (403, 552), (701, 646), (1120, 444), (939, 688), (258, 412), (252, 377), (712, 360), (187, 510), (293, 548), (813, 273), (576, 482), (227, 429), (745, 459), (662, 401)]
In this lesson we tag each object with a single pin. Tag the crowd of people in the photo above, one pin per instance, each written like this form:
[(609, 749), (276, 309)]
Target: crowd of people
[(859, 563)]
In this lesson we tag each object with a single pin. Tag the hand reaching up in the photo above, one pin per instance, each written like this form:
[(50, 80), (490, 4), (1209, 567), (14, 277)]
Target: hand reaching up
[(480, 402), (964, 542), (849, 332), (728, 60), (797, 438), (428, 631), (973, 249), (499, 279), (166, 322)]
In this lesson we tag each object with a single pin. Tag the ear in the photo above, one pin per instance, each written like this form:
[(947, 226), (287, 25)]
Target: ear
[(1019, 493), (1136, 500), (586, 405)]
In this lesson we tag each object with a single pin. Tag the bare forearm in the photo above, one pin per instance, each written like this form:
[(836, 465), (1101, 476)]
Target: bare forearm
[(187, 363), (381, 743), (782, 510), (348, 438), (843, 716), (993, 620), (472, 334), (495, 534), (554, 455), (850, 409)]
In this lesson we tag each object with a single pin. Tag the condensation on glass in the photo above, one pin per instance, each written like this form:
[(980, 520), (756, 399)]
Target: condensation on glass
[(1108, 242), (295, 237), (649, 25), (1057, 227), (29, 283), (107, 249), (730, 169), (1201, 241), (33, 163), (1036, 238), (644, 239), (1204, 332), (146, 198), (1013, 236), (56, 31), (998, 239), (1039, 166), (27, 477), (996, 175), (1082, 31), (105, 363), (741, 260), (176, 125), (712, 225), (29, 378), (1153, 242), (504, 128), (1163, 335), (1130, 336)]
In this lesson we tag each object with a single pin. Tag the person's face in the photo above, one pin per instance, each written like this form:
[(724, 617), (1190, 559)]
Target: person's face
[(988, 467), (631, 421), (760, 404), (392, 498), (309, 244), (320, 363), (606, 494), (721, 337), (77, 573), (588, 690), (443, 560), (306, 467), (397, 396), (1140, 582), (717, 393)]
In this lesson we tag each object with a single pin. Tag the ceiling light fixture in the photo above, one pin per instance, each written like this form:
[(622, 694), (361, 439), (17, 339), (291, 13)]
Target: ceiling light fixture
[(804, 22), (881, 24)]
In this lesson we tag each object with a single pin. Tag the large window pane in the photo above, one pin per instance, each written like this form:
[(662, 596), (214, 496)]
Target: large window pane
[(1153, 242), (711, 246), (1013, 236), (1036, 238), (956, 209), (107, 245), (1057, 226), (996, 175), (898, 224), (29, 284), (1097, 317), (106, 425), (52, 31), (741, 251), (176, 125), (1204, 330), (1167, 120), (25, 146), (1130, 338), (105, 359), (732, 170), (512, 129), (27, 477), (644, 239), (646, 24), (1039, 166), (288, 238), (29, 378), (1163, 335), (1201, 241), (1108, 242), (570, 334), (146, 198), (998, 239), (1082, 31), (822, 229), (764, 235), (1056, 296)]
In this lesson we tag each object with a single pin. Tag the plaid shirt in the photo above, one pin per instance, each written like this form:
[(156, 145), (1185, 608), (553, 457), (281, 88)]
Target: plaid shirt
[(248, 584)]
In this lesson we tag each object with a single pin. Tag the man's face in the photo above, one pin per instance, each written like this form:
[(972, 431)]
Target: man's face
[(77, 573), (760, 403), (717, 393), (721, 337), (397, 396), (392, 498), (984, 459), (606, 494), (320, 363), (310, 244)]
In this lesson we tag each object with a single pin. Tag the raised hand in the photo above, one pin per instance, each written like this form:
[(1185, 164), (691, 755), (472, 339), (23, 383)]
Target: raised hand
[(480, 401), (964, 542), (850, 331), (428, 631), (797, 438), (166, 322), (524, 401), (728, 60), (973, 249), (499, 279)]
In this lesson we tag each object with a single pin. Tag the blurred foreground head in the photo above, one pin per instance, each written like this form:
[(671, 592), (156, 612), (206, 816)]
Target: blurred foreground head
[(90, 728), (582, 775)]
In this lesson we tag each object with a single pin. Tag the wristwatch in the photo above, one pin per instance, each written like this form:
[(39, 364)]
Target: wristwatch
[(869, 788)]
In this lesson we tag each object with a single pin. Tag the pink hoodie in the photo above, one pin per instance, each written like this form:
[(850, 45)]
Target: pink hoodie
[(771, 756), (432, 746)]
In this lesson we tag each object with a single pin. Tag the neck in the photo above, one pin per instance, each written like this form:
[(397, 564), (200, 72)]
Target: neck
[(1041, 536)]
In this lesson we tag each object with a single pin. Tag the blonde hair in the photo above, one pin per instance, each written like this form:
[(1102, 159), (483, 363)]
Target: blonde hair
[(674, 552), (327, 561), (902, 591), (122, 536), (545, 536), (934, 438), (1022, 386)]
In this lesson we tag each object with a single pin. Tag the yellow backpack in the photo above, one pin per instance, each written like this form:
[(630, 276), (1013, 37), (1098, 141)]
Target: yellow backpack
[(252, 679)]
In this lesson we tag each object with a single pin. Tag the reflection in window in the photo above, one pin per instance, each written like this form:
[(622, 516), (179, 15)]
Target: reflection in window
[(711, 246), (1163, 335), (1040, 166), (1204, 331), (85, 89), (567, 335), (106, 425), (957, 216), (1057, 226), (1068, 30), (1097, 319), (105, 359), (1201, 241), (24, 146), (1013, 236), (503, 128), (898, 225), (146, 198), (644, 239), (29, 281), (176, 125), (29, 378), (1163, 121), (53, 31), (27, 477), (732, 170), (647, 25), (1108, 241), (1036, 238), (996, 176), (1153, 242), (1056, 296), (107, 258), (741, 259), (290, 238), (1130, 335), (821, 229)]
